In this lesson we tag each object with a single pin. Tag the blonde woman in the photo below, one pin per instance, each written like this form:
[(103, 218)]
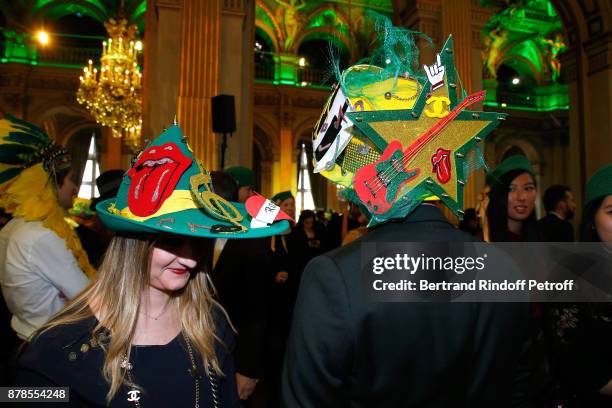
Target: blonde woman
[(147, 331)]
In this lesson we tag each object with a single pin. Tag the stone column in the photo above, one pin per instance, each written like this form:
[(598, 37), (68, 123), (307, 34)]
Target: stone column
[(423, 16), (113, 158), (199, 75), (236, 67), (286, 166), (598, 89), (161, 66), (479, 18), (266, 178), (463, 20), (457, 20), (572, 61)]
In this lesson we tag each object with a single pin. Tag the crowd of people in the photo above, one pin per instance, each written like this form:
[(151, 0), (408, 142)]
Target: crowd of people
[(562, 354), (45, 288), (188, 288)]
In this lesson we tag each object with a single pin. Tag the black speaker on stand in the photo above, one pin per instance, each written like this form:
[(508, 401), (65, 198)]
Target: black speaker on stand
[(223, 120)]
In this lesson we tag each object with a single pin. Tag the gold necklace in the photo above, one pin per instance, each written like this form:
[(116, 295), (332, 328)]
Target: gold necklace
[(165, 308), (194, 371)]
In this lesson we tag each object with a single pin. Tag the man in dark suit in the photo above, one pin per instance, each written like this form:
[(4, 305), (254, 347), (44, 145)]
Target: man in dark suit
[(560, 206), (239, 273), (240, 279), (346, 351)]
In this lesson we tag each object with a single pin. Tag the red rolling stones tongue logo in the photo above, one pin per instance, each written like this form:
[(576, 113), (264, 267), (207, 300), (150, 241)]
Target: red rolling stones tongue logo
[(154, 177), (441, 165)]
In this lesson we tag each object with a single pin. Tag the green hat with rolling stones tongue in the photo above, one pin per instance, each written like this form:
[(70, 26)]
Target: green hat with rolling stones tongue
[(169, 190)]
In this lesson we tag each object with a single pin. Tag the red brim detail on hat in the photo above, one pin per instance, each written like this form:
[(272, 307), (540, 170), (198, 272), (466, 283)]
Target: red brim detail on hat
[(255, 202)]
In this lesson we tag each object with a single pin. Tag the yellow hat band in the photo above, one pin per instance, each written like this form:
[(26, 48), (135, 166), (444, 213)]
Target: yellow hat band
[(179, 200)]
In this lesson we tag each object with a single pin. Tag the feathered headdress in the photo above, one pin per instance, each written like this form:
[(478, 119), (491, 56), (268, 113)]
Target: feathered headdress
[(23, 145), (29, 162)]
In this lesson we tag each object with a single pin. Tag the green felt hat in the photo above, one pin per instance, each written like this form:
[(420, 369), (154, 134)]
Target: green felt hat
[(282, 196), (516, 162), (243, 175), (599, 185), (168, 190)]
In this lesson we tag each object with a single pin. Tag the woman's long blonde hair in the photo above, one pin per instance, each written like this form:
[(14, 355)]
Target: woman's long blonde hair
[(116, 291)]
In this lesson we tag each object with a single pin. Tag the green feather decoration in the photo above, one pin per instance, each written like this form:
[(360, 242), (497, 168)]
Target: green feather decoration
[(396, 53), (14, 153), (9, 174), (26, 138), (22, 145)]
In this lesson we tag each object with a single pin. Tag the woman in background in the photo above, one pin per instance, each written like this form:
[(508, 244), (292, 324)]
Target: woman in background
[(510, 214), (510, 217), (307, 240), (581, 334), (283, 281)]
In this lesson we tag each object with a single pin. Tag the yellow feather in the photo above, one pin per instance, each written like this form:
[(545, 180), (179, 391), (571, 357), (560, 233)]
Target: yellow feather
[(32, 196)]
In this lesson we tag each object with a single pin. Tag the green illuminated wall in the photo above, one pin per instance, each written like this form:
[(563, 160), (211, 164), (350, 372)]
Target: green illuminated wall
[(528, 36), (18, 49), (290, 24), (21, 47)]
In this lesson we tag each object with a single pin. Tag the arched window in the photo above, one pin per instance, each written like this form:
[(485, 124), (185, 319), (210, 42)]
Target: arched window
[(88, 188), (304, 199)]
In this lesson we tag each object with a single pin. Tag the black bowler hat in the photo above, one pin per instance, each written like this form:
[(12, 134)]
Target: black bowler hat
[(108, 185)]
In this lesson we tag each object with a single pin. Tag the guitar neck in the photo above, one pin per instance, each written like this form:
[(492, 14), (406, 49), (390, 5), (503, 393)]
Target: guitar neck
[(442, 123)]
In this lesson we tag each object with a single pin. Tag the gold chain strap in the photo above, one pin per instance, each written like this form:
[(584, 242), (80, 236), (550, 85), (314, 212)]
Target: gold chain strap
[(194, 371)]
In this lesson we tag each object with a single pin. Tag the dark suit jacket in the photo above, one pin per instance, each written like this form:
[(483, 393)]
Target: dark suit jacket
[(346, 351), (241, 278), (554, 229)]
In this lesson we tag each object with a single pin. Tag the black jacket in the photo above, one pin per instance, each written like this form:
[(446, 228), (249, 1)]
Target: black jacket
[(68, 356), (554, 229), (347, 351), (241, 277)]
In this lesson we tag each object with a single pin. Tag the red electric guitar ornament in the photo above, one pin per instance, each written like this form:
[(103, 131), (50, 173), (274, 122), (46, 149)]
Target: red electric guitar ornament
[(378, 184)]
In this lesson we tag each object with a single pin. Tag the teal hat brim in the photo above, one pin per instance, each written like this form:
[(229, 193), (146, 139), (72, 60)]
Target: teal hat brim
[(243, 175), (282, 196), (166, 167), (192, 222), (512, 163), (599, 185)]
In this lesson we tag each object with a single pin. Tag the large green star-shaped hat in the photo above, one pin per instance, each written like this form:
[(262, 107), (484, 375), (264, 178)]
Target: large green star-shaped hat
[(394, 136), (168, 190)]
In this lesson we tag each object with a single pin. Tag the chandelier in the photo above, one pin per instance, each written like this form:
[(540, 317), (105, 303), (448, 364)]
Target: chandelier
[(113, 94)]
